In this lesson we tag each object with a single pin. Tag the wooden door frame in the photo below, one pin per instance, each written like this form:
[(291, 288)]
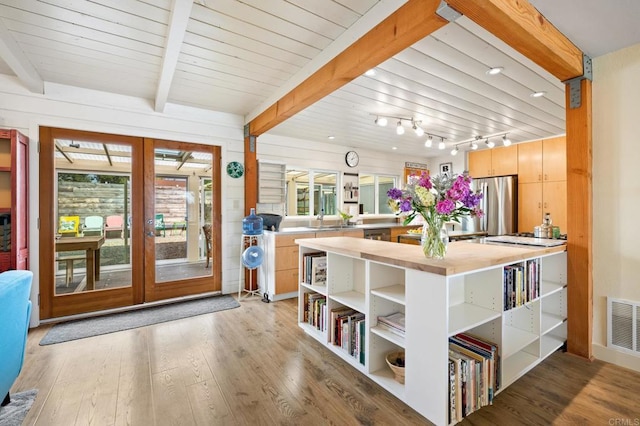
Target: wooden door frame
[(190, 286), (77, 303)]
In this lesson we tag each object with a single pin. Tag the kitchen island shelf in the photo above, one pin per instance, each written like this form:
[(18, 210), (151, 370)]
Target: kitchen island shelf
[(435, 300)]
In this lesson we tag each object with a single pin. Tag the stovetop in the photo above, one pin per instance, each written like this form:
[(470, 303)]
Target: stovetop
[(525, 240), (531, 235)]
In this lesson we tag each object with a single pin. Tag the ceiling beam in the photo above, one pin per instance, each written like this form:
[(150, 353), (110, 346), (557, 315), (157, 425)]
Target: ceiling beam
[(410, 23), (11, 53), (522, 27), (180, 13)]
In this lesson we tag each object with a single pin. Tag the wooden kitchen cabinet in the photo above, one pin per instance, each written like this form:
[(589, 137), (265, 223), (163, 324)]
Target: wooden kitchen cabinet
[(279, 272), (543, 161), (501, 161), (536, 199), (542, 183)]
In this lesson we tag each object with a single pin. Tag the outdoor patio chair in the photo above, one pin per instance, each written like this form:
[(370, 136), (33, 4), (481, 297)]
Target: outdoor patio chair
[(93, 225), (114, 224), (68, 226), (206, 229), (160, 226)]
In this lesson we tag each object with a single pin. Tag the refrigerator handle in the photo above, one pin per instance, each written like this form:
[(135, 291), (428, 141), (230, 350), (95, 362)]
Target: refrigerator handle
[(485, 203)]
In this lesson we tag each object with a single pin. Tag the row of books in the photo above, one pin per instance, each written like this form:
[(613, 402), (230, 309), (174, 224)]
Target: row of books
[(315, 310), (5, 233), (348, 331), (393, 323), (314, 268), (474, 375), (521, 283)]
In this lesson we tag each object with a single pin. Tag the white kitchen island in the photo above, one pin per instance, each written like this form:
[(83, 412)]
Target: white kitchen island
[(465, 292)]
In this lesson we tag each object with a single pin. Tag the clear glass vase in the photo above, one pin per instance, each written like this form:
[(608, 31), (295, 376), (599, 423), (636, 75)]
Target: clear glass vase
[(435, 238)]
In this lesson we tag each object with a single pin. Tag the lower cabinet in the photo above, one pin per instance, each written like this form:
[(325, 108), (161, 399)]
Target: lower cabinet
[(279, 273), (516, 313)]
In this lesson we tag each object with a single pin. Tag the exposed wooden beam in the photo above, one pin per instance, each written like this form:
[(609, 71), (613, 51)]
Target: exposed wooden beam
[(580, 224), (180, 13), (409, 24), (522, 27), (11, 53)]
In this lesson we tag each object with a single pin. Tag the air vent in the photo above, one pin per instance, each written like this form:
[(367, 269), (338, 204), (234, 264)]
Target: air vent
[(623, 326)]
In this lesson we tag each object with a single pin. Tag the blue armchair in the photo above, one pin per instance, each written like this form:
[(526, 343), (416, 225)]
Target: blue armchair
[(15, 289)]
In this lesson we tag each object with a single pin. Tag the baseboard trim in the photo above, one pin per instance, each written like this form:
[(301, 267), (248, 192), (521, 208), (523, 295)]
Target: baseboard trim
[(616, 357)]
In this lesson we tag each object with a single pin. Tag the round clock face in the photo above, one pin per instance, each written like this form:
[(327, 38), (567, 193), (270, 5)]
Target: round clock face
[(235, 169), (351, 158)]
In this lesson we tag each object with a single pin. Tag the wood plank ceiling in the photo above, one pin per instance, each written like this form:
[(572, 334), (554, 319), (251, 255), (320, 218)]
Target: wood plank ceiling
[(240, 56)]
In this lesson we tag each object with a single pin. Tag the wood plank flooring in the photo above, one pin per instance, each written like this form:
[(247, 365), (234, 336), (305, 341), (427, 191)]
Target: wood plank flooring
[(254, 366)]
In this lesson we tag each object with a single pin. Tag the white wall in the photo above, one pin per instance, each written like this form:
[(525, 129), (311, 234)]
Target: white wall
[(69, 107), (616, 190)]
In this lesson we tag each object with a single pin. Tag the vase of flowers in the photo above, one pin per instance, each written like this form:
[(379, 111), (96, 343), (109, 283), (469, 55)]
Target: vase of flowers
[(438, 199)]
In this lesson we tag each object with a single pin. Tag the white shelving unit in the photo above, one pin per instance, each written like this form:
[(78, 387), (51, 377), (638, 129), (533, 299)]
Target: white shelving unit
[(437, 307)]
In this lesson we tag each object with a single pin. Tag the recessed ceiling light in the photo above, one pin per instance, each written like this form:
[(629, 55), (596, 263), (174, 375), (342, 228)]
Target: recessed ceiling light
[(494, 71), (370, 73), (395, 147), (538, 94), (331, 137)]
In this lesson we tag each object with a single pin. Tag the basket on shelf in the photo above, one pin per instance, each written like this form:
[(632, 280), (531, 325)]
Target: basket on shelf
[(395, 360)]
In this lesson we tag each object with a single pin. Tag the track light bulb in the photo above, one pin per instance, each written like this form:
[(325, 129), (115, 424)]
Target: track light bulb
[(454, 151), (399, 128), (441, 144), (489, 143), (506, 141), (428, 142), (381, 121), (419, 131), (474, 145)]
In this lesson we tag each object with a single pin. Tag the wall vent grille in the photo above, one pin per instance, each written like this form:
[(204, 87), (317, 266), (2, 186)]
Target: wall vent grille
[(623, 325)]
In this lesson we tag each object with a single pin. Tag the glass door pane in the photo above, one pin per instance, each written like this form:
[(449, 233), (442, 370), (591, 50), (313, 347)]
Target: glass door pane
[(182, 223), (93, 198)]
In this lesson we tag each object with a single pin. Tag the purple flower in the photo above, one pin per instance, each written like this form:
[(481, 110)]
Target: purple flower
[(425, 181), (445, 206), (460, 189), (405, 206), (394, 193), (472, 199)]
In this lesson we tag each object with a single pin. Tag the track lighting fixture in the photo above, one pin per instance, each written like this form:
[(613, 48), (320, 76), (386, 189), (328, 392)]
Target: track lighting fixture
[(428, 142), (506, 141), (416, 128), (489, 143), (399, 128), (455, 150), (381, 121), (441, 144), (473, 145)]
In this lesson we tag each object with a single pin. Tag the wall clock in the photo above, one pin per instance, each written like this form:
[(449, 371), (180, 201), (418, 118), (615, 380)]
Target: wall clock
[(235, 169), (352, 158)]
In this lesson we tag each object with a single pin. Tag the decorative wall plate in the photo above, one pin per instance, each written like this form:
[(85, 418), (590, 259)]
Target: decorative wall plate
[(235, 169)]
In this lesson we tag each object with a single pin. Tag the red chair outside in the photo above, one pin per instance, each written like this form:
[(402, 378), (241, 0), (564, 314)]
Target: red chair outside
[(114, 224)]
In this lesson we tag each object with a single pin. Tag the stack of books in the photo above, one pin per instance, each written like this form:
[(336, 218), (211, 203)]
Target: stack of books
[(348, 331), (474, 374), (314, 268), (393, 322), (521, 283)]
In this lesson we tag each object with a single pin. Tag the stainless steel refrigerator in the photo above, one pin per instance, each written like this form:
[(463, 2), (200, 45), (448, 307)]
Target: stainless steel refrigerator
[(499, 204)]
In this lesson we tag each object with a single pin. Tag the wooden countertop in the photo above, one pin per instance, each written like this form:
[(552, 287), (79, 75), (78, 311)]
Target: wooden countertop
[(462, 256)]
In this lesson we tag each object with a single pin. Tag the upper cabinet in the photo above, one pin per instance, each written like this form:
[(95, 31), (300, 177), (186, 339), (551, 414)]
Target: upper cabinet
[(542, 161), (500, 161)]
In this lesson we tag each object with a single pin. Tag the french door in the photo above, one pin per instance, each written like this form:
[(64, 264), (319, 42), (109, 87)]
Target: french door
[(121, 221)]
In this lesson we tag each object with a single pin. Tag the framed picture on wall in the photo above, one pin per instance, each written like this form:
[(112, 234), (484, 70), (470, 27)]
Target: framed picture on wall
[(446, 169)]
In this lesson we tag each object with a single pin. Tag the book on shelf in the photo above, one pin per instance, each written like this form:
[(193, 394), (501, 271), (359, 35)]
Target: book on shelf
[(395, 320), (476, 369), (318, 270), (307, 265), (390, 329)]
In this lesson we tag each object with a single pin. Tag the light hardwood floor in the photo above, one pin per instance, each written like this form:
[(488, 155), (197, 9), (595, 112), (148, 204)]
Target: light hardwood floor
[(253, 366)]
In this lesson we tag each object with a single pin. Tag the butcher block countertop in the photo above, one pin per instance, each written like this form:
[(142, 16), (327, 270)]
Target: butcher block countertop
[(462, 256)]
